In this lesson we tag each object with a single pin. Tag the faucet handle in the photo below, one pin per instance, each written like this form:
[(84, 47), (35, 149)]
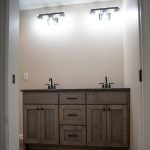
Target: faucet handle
[(49, 87), (102, 84), (109, 86), (55, 86)]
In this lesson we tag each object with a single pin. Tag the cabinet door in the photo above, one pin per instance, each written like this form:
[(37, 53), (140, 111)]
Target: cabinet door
[(31, 124), (49, 124), (117, 125), (96, 125)]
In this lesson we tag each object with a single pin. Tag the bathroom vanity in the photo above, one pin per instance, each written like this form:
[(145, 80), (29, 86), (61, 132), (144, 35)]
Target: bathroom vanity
[(76, 119)]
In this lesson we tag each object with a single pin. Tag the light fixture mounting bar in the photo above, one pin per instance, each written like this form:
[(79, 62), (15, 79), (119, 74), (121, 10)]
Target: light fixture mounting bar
[(106, 8), (51, 14)]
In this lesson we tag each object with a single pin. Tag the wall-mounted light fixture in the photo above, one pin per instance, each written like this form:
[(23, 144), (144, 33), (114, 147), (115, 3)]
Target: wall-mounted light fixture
[(51, 18), (104, 13)]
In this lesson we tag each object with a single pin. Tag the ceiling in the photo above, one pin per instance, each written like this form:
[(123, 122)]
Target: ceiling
[(30, 4)]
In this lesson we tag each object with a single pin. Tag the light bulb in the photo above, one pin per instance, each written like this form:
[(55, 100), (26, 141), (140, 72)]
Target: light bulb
[(106, 15)]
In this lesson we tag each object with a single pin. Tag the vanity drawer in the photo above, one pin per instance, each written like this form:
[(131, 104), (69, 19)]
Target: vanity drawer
[(40, 98), (72, 114), (73, 135), (72, 98), (107, 97)]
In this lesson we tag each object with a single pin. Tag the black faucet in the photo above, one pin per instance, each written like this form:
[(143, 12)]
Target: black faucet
[(51, 83), (106, 84), (54, 87)]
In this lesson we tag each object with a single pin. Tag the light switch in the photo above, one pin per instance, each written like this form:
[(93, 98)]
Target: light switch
[(26, 76)]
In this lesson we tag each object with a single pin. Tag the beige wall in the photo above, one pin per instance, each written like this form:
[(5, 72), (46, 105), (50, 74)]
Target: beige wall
[(131, 68), (78, 53)]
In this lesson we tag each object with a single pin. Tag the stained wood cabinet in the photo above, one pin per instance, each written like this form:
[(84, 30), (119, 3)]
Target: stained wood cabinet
[(77, 119), (49, 124), (107, 125), (41, 124), (73, 135), (96, 125), (32, 123), (117, 126), (72, 114)]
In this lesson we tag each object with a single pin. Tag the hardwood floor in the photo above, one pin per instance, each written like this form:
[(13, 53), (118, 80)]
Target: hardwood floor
[(20, 144)]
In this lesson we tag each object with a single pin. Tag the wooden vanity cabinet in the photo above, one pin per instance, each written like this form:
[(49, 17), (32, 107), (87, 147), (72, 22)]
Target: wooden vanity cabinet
[(117, 126), (107, 125), (49, 124), (40, 122), (32, 123), (108, 118), (96, 125), (77, 119), (72, 118)]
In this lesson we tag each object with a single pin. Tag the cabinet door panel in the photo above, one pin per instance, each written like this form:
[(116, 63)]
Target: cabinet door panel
[(96, 125), (32, 124), (49, 124), (117, 126)]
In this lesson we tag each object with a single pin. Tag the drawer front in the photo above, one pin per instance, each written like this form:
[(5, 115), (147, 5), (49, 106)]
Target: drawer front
[(72, 98), (107, 97), (72, 114), (40, 98), (73, 135)]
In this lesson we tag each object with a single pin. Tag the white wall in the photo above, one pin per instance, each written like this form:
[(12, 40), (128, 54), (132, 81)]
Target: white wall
[(131, 68), (145, 43), (78, 53)]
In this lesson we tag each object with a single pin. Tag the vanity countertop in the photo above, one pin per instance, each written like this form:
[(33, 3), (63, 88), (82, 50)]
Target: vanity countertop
[(73, 90)]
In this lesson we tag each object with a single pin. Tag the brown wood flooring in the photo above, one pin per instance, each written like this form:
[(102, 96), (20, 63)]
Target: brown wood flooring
[(20, 144)]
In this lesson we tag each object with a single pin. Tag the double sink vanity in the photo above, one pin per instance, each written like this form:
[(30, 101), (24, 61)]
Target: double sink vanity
[(76, 119)]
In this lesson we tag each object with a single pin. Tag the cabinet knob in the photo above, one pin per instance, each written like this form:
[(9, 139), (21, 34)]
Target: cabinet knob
[(108, 109), (38, 109), (42, 108), (104, 109)]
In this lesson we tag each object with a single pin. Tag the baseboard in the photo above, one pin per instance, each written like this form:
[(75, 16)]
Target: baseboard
[(20, 136)]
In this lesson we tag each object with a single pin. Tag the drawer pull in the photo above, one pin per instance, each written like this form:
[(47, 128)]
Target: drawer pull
[(72, 135), (38, 109), (72, 115), (72, 98)]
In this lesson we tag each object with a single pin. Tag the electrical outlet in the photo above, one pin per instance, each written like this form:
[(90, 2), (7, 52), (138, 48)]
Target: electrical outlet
[(26, 76)]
